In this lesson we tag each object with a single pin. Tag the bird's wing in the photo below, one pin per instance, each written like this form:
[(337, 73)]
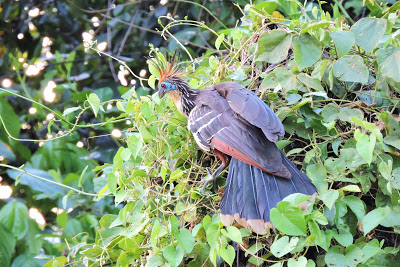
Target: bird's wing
[(216, 126), (252, 109)]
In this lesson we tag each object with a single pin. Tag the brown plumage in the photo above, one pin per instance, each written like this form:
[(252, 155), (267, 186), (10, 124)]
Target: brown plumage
[(233, 122)]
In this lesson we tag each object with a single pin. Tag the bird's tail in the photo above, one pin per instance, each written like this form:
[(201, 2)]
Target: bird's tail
[(250, 193)]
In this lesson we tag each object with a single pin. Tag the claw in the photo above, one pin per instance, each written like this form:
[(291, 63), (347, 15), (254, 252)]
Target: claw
[(206, 181)]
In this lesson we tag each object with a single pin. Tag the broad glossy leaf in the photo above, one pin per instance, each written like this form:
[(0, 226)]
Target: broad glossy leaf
[(356, 205), (344, 41), (228, 254), (365, 146), (273, 46), (307, 50), (288, 219), (339, 256), (351, 69), (94, 102), (186, 240), (368, 32), (10, 119), (7, 245), (173, 255), (374, 218), (283, 246), (14, 216), (391, 67)]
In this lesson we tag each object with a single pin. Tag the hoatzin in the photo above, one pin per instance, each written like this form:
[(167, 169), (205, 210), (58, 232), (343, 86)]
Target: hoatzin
[(238, 127)]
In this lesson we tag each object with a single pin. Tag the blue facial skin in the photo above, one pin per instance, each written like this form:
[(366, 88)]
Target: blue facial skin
[(165, 87)]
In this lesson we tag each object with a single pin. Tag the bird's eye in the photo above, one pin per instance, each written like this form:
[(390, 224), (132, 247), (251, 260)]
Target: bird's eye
[(163, 85)]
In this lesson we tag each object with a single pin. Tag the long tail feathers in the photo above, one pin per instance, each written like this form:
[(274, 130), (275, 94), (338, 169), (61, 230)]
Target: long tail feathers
[(250, 193)]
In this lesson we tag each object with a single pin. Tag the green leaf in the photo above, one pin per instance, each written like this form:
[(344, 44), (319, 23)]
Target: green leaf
[(313, 83), (288, 219), (14, 216), (112, 182), (152, 82), (219, 40), (338, 256), (283, 246), (57, 262), (351, 188), (344, 237), (296, 198), (7, 245), (70, 110), (365, 146), (273, 46), (9, 118), (391, 67), (373, 218), (307, 50), (351, 68), (228, 254), (344, 41), (346, 113), (299, 262), (94, 102), (356, 205), (396, 178), (175, 175), (173, 255), (371, 249), (319, 217), (317, 174), (329, 197), (186, 240), (368, 32), (392, 141), (233, 233)]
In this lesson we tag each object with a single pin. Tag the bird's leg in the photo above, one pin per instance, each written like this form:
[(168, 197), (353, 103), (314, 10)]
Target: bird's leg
[(212, 176)]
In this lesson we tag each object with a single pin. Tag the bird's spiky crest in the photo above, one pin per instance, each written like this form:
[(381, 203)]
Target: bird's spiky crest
[(167, 68)]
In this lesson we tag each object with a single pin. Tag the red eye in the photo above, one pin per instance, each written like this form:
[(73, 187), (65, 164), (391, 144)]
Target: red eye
[(163, 85)]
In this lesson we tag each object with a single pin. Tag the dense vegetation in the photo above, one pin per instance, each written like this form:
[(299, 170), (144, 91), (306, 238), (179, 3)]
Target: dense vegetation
[(110, 174)]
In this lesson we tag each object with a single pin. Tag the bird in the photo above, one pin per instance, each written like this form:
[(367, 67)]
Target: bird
[(235, 124)]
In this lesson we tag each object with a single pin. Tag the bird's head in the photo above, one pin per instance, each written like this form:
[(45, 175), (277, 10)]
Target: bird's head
[(166, 86), (169, 80)]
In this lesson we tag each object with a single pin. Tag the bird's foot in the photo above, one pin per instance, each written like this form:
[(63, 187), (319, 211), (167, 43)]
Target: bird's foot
[(211, 177)]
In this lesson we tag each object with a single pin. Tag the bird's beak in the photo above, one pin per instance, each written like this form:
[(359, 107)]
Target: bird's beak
[(161, 92)]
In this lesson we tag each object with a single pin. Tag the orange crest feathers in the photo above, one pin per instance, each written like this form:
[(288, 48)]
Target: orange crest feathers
[(163, 68)]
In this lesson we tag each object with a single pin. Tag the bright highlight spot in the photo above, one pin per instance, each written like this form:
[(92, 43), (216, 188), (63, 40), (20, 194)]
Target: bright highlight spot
[(57, 210), (87, 39), (31, 26), (133, 82), (25, 126), (116, 133), (142, 73), (50, 116), (34, 12), (32, 70), (5, 191), (37, 216), (20, 36), (102, 46), (109, 106), (163, 2), (95, 21), (1, 159), (41, 143), (46, 42), (6, 83), (121, 77), (48, 92), (128, 122), (32, 110), (80, 144)]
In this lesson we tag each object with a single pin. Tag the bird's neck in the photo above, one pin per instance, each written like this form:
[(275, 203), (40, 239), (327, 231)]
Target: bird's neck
[(188, 97)]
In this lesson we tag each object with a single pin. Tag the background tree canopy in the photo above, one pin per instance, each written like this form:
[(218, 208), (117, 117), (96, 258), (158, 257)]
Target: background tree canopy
[(97, 170)]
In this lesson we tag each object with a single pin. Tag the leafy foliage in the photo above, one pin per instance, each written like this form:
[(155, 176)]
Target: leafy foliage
[(334, 86)]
